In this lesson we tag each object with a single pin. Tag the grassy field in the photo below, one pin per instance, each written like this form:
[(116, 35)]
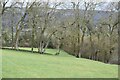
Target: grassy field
[(18, 64), (49, 51)]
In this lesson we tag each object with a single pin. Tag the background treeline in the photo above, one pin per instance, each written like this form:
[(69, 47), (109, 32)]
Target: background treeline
[(81, 31)]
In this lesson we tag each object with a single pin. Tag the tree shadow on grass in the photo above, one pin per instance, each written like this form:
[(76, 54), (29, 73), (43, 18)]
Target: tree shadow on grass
[(22, 50)]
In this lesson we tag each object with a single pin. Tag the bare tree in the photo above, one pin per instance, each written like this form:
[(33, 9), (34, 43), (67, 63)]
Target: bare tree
[(48, 16), (20, 24), (5, 6)]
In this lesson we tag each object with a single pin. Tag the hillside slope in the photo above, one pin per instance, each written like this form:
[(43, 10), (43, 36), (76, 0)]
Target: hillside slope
[(18, 64)]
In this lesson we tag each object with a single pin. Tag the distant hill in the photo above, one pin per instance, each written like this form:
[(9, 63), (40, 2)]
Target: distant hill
[(61, 15)]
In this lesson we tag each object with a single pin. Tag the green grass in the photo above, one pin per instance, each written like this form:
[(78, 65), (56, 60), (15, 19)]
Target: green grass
[(18, 64), (50, 51)]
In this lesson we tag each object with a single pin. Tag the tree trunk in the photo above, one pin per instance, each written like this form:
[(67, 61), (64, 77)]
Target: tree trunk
[(91, 47), (16, 39), (12, 38), (58, 47), (41, 43), (33, 33), (82, 42), (19, 27)]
